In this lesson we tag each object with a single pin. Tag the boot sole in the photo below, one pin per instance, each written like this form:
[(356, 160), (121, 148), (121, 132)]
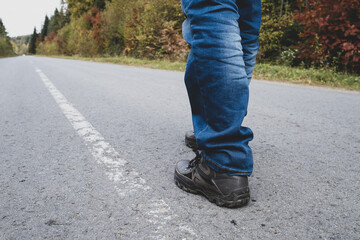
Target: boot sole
[(231, 201)]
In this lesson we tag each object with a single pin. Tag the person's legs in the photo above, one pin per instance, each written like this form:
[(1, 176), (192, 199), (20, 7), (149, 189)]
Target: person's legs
[(217, 83), (249, 23), (217, 79)]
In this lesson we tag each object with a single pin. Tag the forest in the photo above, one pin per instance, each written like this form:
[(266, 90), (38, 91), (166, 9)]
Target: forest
[(306, 33)]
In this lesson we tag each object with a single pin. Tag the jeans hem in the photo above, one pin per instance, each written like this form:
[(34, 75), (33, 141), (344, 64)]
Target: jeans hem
[(219, 168)]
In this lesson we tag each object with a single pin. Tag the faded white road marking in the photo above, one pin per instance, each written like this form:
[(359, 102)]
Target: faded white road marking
[(99, 148), (128, 182)]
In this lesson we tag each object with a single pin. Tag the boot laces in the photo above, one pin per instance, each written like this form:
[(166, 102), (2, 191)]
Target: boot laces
[(194, 162)]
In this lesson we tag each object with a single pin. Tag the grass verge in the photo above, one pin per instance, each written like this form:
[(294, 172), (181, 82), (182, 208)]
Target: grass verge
[(262, 71), (155, 64), (311, 76), (8, 56)]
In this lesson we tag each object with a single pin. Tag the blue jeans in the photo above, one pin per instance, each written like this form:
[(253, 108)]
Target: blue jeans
[(223, 35)]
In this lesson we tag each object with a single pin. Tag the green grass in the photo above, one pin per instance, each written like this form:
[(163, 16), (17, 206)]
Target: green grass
[(262, 71), (155, 64), (8, 56), (316, 77)]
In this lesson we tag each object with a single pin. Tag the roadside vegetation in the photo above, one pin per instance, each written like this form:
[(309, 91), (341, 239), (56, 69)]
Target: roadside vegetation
[(302, 41), (263, 71), (309, 76), (6, 46), (21, 44)]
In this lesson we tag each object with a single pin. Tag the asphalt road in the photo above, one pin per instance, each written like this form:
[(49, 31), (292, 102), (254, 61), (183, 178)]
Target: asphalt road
[(87, 151)]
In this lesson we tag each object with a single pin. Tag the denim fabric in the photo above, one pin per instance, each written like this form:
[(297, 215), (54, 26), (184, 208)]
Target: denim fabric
[(223, 35)]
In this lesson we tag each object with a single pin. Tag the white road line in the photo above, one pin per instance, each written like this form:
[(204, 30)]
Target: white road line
[(128, 182)]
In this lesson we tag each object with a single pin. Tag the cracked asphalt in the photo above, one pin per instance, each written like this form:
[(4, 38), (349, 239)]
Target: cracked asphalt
[(306, 182)]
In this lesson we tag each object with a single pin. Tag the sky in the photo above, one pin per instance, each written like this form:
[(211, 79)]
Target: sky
[(21, 16)]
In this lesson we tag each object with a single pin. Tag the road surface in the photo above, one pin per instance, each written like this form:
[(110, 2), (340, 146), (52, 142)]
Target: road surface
[(87, 151)]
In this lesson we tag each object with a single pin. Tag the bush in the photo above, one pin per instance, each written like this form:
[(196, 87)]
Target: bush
[(331, 34), (153, 29), (288, 57), (279, 31), (6, 48), (113, 27)]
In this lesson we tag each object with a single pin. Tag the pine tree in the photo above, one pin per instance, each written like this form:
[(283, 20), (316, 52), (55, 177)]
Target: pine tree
[(44, 30), (32, 44), (54, 22), (2, 29), (6, 48)]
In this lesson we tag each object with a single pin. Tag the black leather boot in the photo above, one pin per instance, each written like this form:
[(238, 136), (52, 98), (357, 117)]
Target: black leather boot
[(197, 177)]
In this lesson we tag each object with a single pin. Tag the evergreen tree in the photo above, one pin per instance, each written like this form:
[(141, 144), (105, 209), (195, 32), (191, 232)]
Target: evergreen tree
[(32, 44), (2, 29), (64, 18), (54, 22), (44, 30), (58, 20), (6, 48)]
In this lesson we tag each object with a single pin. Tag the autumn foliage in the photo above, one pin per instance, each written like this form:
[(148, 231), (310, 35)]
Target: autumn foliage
[(312, 33), (94, 22), (331, 33)]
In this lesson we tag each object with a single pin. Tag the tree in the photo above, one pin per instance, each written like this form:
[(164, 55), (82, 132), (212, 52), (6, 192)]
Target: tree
[(6, 48), (278, 29), (114, 23), (32, 44), (44, 30), (79, 7), (54, 23), (153, 29), (2, 29), (58, 20)]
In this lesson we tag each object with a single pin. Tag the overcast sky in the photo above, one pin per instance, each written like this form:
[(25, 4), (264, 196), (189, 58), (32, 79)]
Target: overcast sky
[(21, 16)]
